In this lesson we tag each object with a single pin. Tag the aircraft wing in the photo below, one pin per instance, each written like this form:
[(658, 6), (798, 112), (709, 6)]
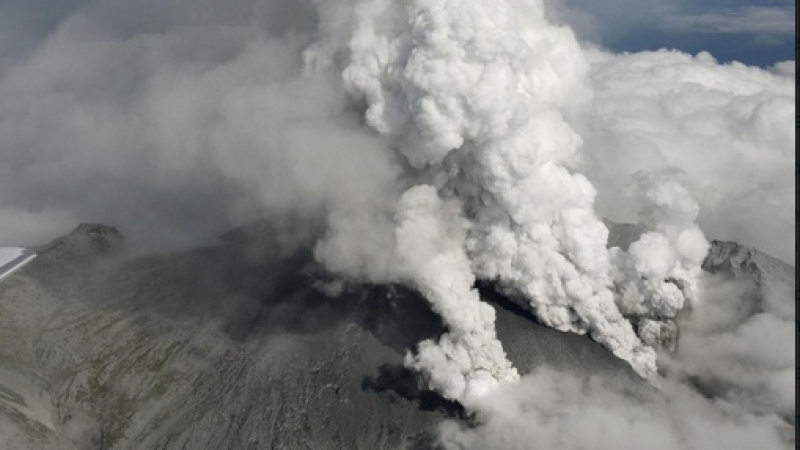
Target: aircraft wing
[(12, 259)]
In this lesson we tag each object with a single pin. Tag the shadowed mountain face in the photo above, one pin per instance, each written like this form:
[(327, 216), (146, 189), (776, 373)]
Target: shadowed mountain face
[(228, 347)]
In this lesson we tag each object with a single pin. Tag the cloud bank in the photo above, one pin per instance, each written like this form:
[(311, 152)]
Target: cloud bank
[(739, 345), (550, 410), (727, 128), (176, 125)]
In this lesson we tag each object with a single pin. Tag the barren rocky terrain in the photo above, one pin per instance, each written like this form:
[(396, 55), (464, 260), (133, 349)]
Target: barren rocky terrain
[(232, 347)]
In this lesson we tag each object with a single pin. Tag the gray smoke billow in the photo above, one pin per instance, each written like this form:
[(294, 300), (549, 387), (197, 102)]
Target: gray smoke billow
[(440, 142)]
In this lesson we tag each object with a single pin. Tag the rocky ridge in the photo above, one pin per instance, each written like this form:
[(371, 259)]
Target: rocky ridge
[(218, 348)]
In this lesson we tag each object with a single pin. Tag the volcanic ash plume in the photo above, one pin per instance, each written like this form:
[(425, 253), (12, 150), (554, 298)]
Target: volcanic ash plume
[(660, 271), (468, 360), (473, 95)]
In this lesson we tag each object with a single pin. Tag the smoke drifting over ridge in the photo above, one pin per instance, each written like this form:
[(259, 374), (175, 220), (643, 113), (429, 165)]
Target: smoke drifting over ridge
[(551, 410), (439, 142)]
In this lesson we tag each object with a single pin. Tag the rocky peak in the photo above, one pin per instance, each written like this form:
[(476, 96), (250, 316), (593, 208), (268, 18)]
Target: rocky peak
[(742, 262), (86, 241), (731, 259)]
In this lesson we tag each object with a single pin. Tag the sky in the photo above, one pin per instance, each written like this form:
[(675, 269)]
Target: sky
[(755, 33)]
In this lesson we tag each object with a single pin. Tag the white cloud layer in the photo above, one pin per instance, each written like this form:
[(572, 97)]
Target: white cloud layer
[(739, 345), (550, 410), (728, 129)]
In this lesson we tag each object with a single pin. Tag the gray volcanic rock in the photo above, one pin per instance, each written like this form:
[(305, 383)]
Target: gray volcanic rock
[(739, 261), (88, 240), (758, 272), (215, 348)]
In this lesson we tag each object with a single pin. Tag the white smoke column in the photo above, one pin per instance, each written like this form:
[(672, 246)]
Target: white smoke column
[(422, 246), (474, 94), (490, 79), (468, 360), (660, 271)]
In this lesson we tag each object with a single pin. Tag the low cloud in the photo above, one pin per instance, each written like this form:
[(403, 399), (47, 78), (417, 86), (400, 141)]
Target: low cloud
[(551, 410), (739, 345), (730, 384), (177, 126)]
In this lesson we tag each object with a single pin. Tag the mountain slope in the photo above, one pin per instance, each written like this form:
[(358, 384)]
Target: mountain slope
[(218, 347)]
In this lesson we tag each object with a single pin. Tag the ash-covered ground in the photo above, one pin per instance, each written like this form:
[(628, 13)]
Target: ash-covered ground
[(232, 346)]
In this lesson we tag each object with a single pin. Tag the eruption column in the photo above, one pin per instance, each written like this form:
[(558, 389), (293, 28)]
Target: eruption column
[(474, 95)]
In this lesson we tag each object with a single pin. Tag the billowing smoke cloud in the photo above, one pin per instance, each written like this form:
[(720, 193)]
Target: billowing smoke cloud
[(175, 125), (551, 410), (659, 272), (475, 97), (729, 384), (439, 141)]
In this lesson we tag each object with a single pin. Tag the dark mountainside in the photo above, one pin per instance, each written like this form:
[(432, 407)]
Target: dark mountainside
[(236, 347)]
